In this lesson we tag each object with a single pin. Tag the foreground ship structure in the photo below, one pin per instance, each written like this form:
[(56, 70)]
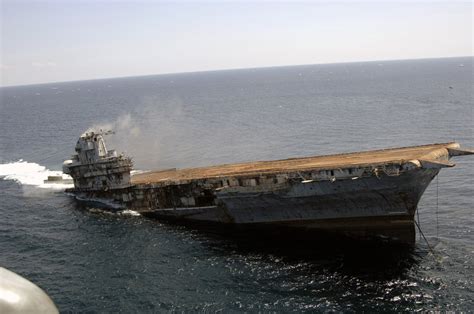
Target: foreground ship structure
[(363, 194)]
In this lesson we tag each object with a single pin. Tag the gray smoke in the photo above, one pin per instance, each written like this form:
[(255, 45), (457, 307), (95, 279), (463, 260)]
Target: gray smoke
[(149, 136)]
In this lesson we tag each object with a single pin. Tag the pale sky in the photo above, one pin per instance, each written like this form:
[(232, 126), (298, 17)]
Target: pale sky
[(51, 41)]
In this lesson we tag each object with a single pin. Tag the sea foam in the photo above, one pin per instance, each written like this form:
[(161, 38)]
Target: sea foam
[(32, 174)]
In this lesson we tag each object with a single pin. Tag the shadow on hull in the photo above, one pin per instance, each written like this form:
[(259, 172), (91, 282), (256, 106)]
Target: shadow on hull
[(394, 229)]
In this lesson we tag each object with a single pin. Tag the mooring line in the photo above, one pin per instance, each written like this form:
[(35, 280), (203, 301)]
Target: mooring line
[(427, 243), (418, 218), (437, 205)]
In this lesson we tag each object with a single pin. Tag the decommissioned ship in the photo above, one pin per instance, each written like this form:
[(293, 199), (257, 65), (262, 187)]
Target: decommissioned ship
[(370, 194)]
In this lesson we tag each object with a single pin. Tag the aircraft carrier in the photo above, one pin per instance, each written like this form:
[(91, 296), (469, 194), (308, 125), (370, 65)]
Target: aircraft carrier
[(371, 194)]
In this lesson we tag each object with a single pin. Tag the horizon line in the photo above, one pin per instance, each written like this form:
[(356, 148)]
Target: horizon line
[(231, 69)]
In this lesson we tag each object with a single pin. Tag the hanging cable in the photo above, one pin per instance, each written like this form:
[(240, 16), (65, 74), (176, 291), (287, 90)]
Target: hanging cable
[(437, 205), (427, 243), (418, 218)]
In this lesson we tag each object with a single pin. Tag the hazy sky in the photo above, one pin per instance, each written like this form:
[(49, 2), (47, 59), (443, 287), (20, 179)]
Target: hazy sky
[(48, 41)]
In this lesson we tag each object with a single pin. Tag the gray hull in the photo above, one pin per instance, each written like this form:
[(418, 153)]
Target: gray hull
[(381, 206)]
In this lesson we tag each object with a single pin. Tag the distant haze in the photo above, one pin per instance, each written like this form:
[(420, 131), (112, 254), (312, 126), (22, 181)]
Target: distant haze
[(49, 41)]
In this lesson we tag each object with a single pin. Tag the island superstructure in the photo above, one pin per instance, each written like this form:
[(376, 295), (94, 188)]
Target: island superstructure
[(362, 194)]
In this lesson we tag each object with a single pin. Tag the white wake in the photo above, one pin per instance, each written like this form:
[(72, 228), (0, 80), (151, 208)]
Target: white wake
[(32, 174)]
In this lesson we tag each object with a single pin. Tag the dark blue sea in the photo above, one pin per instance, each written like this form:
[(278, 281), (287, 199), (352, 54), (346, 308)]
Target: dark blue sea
[(89, 260)]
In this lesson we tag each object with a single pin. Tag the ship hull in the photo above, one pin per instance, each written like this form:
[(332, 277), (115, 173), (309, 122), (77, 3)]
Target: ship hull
[(374, 207), (393, 229), (371, 207), (363, 195)]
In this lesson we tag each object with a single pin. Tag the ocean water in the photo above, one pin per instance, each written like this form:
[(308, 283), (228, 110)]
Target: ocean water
[(87, 259)]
